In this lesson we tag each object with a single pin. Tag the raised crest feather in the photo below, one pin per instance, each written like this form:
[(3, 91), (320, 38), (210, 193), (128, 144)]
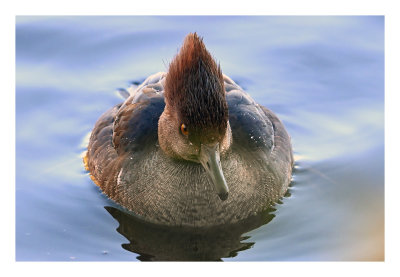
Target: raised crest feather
[(194, 88)]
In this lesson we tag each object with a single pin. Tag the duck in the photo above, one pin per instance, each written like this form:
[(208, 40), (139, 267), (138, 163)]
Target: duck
[(189, 147)]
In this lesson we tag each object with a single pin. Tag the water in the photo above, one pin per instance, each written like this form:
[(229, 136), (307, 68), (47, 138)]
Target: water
[(323, 76)]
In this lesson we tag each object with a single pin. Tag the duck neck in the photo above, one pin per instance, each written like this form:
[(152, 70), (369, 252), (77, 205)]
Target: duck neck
[(167, 133), (227, 140)]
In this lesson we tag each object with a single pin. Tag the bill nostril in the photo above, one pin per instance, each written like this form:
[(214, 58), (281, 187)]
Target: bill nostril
[(193, 157)]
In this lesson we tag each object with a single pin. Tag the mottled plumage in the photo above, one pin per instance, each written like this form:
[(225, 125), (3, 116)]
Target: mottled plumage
[(139, 158)]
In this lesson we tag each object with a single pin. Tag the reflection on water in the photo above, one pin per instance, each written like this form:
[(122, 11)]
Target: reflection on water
[(323, 77), (157, 243)]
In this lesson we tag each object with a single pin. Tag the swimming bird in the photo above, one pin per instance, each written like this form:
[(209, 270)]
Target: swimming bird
[(189, 147)]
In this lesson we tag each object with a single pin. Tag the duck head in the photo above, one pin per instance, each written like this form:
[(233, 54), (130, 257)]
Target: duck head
[(194, 125)]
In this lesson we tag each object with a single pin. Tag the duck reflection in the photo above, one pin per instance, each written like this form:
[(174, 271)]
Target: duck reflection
[(159, 243)]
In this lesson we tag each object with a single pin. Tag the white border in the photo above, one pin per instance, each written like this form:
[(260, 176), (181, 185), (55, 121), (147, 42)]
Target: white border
[(115, 7)]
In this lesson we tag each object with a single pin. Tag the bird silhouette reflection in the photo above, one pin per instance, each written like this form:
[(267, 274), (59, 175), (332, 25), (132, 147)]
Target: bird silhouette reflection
[(161, 243)]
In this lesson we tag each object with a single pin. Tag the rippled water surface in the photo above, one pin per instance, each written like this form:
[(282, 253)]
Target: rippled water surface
[(323, 76)]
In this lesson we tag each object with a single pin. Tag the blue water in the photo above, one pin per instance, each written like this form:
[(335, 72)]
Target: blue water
[(323, 76)]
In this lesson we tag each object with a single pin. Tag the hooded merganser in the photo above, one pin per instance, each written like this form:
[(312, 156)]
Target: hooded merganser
[(190, 148)]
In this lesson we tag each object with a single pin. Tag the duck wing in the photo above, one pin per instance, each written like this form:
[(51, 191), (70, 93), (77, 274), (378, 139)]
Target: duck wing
[(123, 132), (254, 127)]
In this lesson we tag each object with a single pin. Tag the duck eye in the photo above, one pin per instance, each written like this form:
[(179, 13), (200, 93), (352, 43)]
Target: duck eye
[(184, 130)]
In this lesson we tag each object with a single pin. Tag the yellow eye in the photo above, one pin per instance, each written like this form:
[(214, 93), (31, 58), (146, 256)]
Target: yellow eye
[(184, 130)]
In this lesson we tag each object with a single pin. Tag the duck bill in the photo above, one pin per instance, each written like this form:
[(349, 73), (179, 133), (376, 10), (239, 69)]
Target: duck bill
[(210, 159)]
